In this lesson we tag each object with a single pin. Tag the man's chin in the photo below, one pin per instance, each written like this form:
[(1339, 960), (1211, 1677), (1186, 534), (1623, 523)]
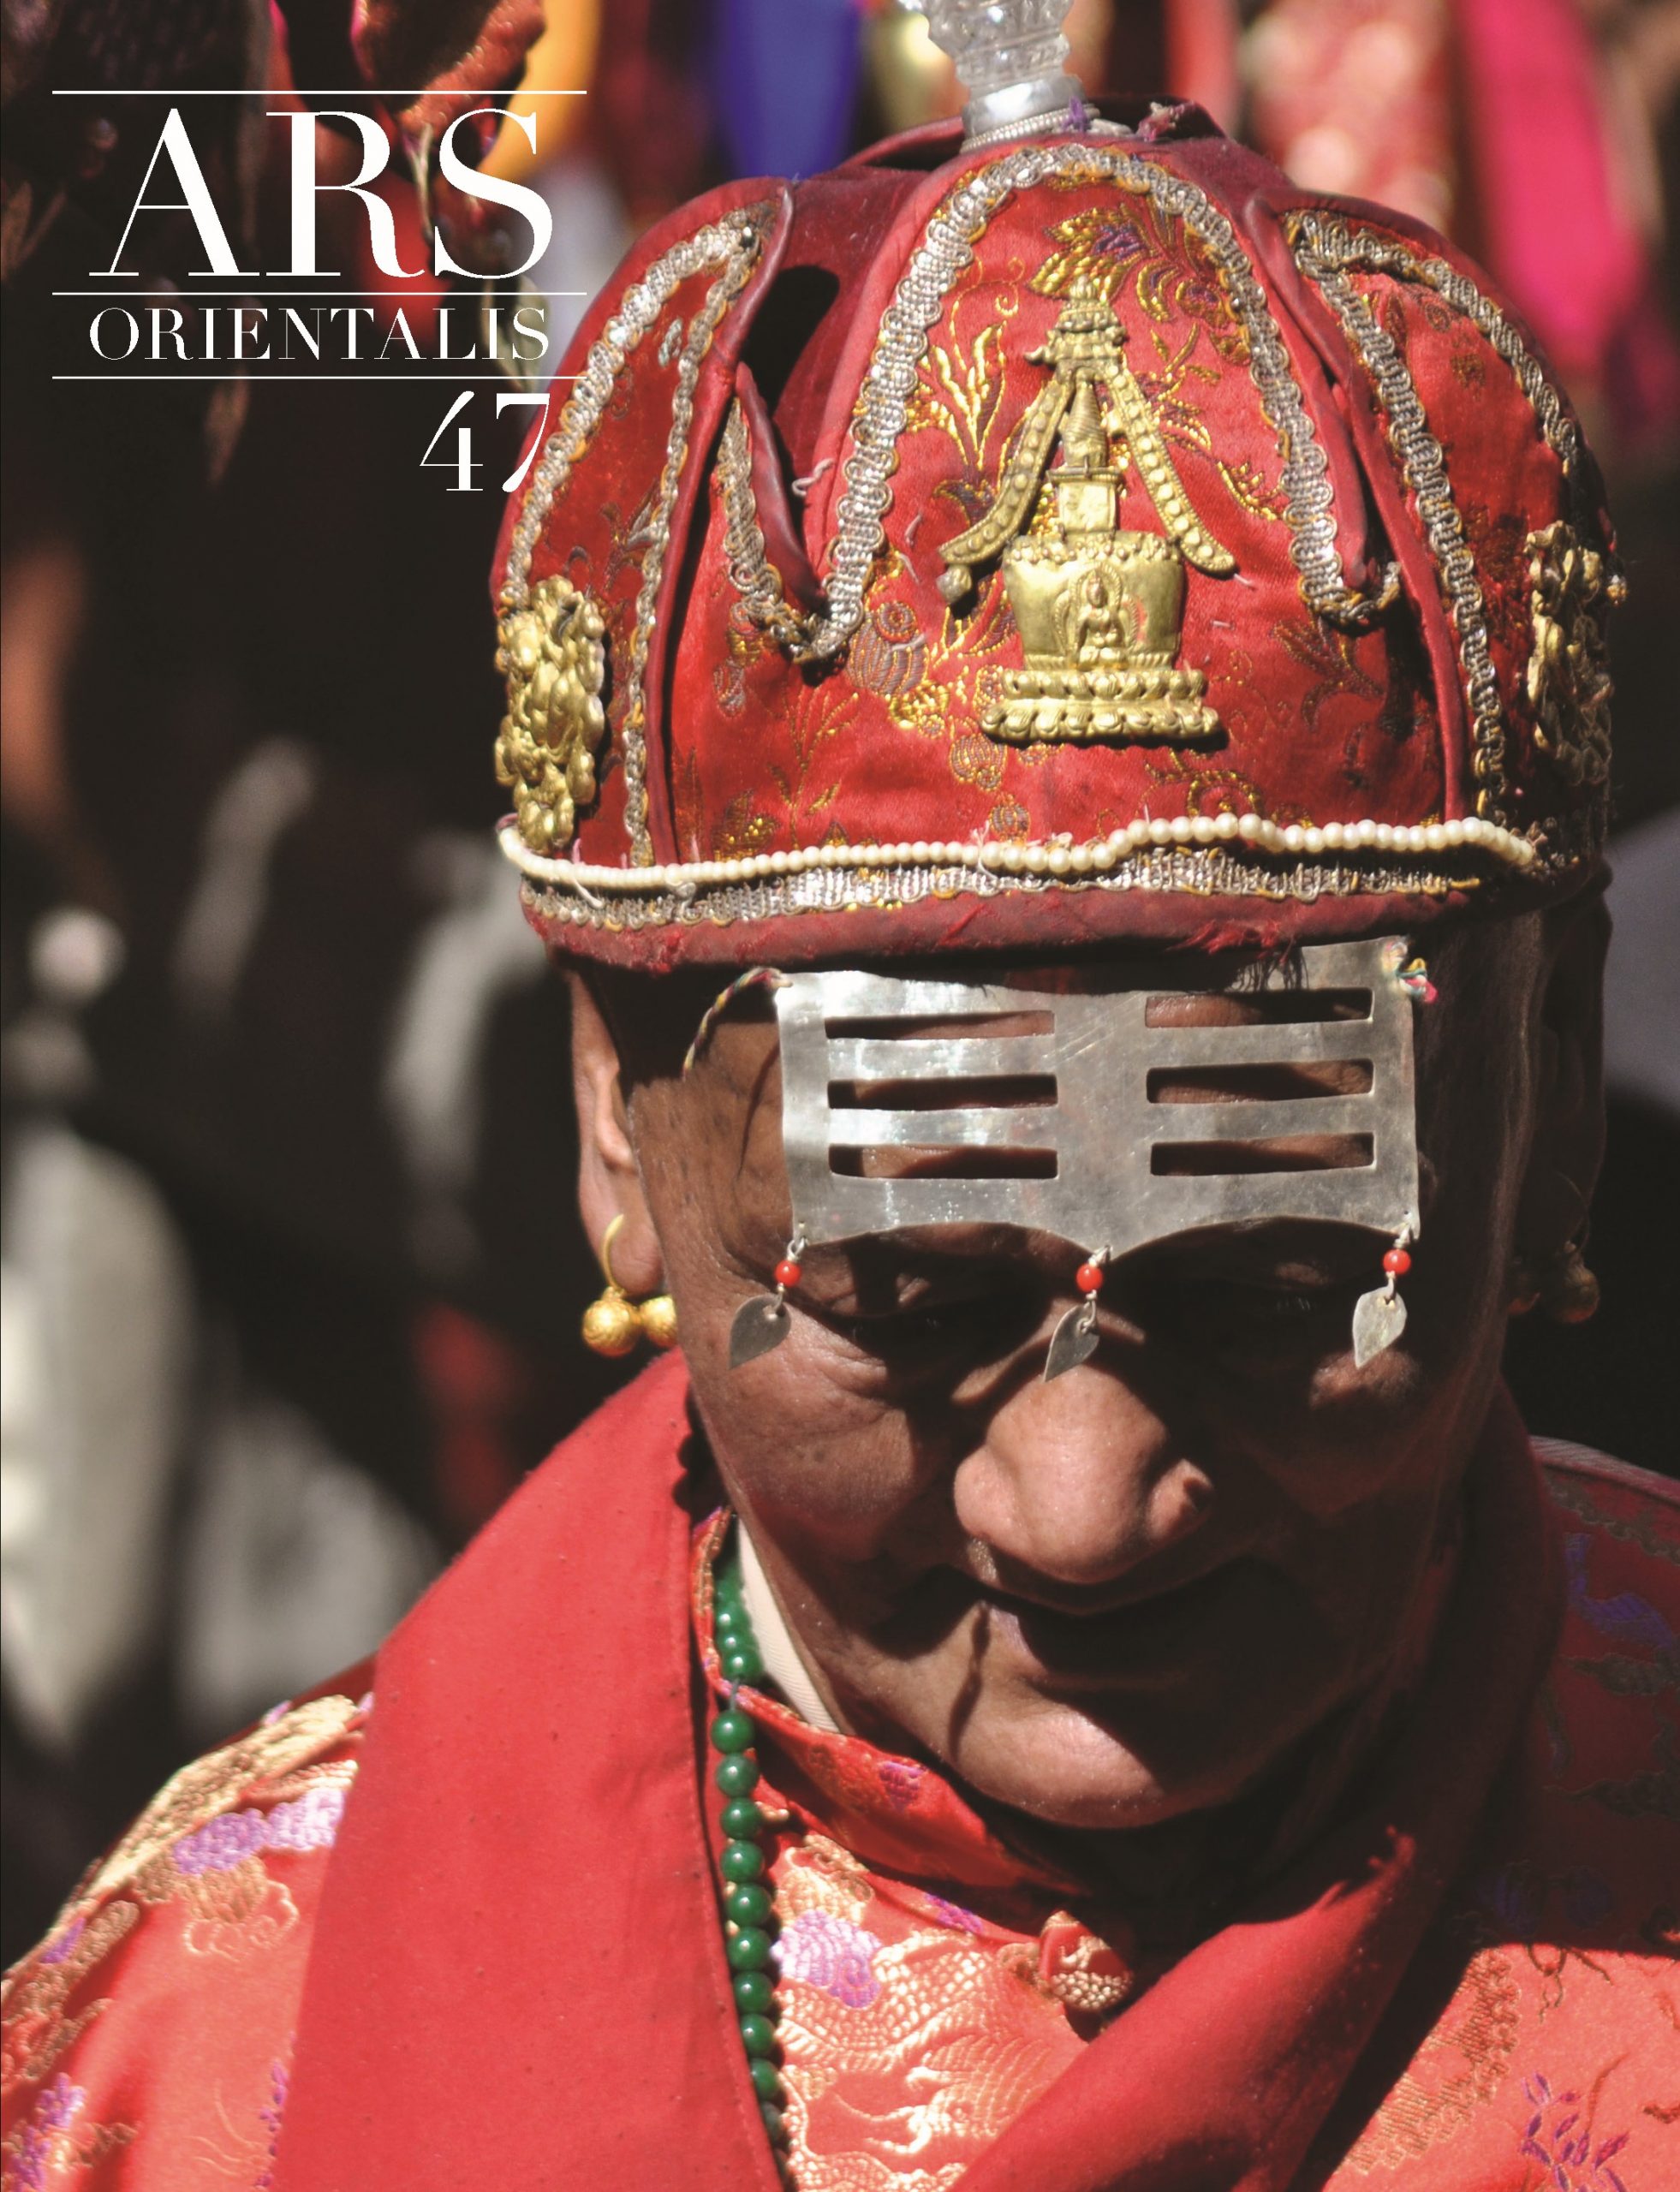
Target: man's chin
[(1066, 1770)]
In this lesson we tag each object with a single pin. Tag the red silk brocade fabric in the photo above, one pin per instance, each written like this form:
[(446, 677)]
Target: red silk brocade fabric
[(470, 1933)]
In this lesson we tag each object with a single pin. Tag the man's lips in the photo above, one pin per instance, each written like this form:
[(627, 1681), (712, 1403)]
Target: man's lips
[(1124, 1641)]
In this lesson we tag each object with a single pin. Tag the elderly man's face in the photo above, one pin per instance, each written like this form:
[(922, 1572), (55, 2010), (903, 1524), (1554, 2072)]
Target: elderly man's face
[(1120, 1597)]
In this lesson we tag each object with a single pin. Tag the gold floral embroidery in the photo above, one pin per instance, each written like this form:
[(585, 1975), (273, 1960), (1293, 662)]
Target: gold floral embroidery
[(1213, 787), (820, 1875), (243, 2145), (230, 1904), (887, 655), (235, 1913), (959, 391), (954, 2044), (330, 1773), (1128, 238), (741, 831), (978, 760), (1456, 2071), (1569, 1492), (925, 709), (37, 2031), (895, 2055), (212, 1785), (1248, 491), (1084, 1974), (1322, 648), (786, 800), (1654, 1793), (55, 2137)]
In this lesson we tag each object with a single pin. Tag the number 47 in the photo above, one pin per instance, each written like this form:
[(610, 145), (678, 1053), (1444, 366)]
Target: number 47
[(463, 463)]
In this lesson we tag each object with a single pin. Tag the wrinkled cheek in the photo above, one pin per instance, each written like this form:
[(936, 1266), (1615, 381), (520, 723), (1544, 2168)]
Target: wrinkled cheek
[(1355, 1537), (1310, 1506), (818, 1464), (1372, 1434)]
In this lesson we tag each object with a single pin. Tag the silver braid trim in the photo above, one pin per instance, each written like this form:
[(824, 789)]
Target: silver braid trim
[(1192, 872), (1424, 464), (1334, 243), (753, 575)]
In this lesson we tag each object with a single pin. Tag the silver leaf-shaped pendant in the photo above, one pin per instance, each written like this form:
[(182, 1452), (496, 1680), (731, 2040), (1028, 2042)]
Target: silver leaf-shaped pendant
[(1378, 1320), (1073, 1341), (760, 1325)]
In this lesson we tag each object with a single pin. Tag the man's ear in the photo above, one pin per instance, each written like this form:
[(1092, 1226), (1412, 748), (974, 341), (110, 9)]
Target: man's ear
[(1567, 1147), (609, 1184)]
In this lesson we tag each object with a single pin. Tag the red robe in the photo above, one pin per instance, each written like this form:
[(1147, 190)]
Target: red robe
[(500, 1964)]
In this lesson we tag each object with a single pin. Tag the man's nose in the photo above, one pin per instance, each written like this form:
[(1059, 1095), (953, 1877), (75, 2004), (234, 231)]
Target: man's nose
[(1080, 1480)]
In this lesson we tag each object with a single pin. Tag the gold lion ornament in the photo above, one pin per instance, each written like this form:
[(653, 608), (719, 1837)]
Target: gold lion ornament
[(1571, 587), (553, 654)]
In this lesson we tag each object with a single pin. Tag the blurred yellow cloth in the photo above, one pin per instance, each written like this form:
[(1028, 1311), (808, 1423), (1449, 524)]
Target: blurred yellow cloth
[(561, 60)]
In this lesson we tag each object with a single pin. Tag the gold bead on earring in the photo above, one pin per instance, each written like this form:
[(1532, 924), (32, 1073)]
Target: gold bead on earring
[(612, 1324), (658, 1320), (1559, 1285)]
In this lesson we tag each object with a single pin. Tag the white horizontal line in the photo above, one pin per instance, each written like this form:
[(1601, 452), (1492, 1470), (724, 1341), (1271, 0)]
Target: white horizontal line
[(243, 296), (280, 92), (308, 380)]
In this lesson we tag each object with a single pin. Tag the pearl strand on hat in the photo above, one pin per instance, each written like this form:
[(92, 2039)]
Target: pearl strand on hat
[(1095, 857)]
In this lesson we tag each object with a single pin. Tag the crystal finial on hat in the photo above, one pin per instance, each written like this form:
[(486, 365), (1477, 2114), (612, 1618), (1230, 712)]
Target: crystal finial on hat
[(1009, 56)]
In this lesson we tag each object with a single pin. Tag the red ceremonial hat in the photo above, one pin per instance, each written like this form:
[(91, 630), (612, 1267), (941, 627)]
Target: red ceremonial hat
[(1067, 532)]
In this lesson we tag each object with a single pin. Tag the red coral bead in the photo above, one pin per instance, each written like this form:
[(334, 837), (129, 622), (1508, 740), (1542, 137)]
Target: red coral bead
[(788, 1272), (1089, 1278), (1397, 1261)]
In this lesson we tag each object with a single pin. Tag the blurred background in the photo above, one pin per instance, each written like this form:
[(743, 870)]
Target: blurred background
[(291, 1266)]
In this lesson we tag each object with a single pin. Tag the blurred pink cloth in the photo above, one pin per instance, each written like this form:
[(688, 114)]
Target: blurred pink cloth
[(1383, 98), (1558, 231)]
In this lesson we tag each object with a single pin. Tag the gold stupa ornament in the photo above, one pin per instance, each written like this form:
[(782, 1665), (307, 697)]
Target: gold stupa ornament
[(1100, 607)]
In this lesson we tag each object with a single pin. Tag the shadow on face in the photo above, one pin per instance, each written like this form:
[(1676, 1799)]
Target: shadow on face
[(1120, 1598)]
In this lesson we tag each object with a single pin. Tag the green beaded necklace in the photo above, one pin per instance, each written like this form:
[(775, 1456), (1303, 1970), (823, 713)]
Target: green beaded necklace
[(747, 1898)]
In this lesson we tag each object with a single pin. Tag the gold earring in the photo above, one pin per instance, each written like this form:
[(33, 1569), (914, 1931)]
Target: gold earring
[(1559, 1284), (658, 1320), (612, 1324)]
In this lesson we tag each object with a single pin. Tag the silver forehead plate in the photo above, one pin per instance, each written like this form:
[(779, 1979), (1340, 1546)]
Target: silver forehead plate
[(1048, 1111)]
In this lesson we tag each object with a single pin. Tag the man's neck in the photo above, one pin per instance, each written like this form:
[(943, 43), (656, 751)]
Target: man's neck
[(784, 1666)]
